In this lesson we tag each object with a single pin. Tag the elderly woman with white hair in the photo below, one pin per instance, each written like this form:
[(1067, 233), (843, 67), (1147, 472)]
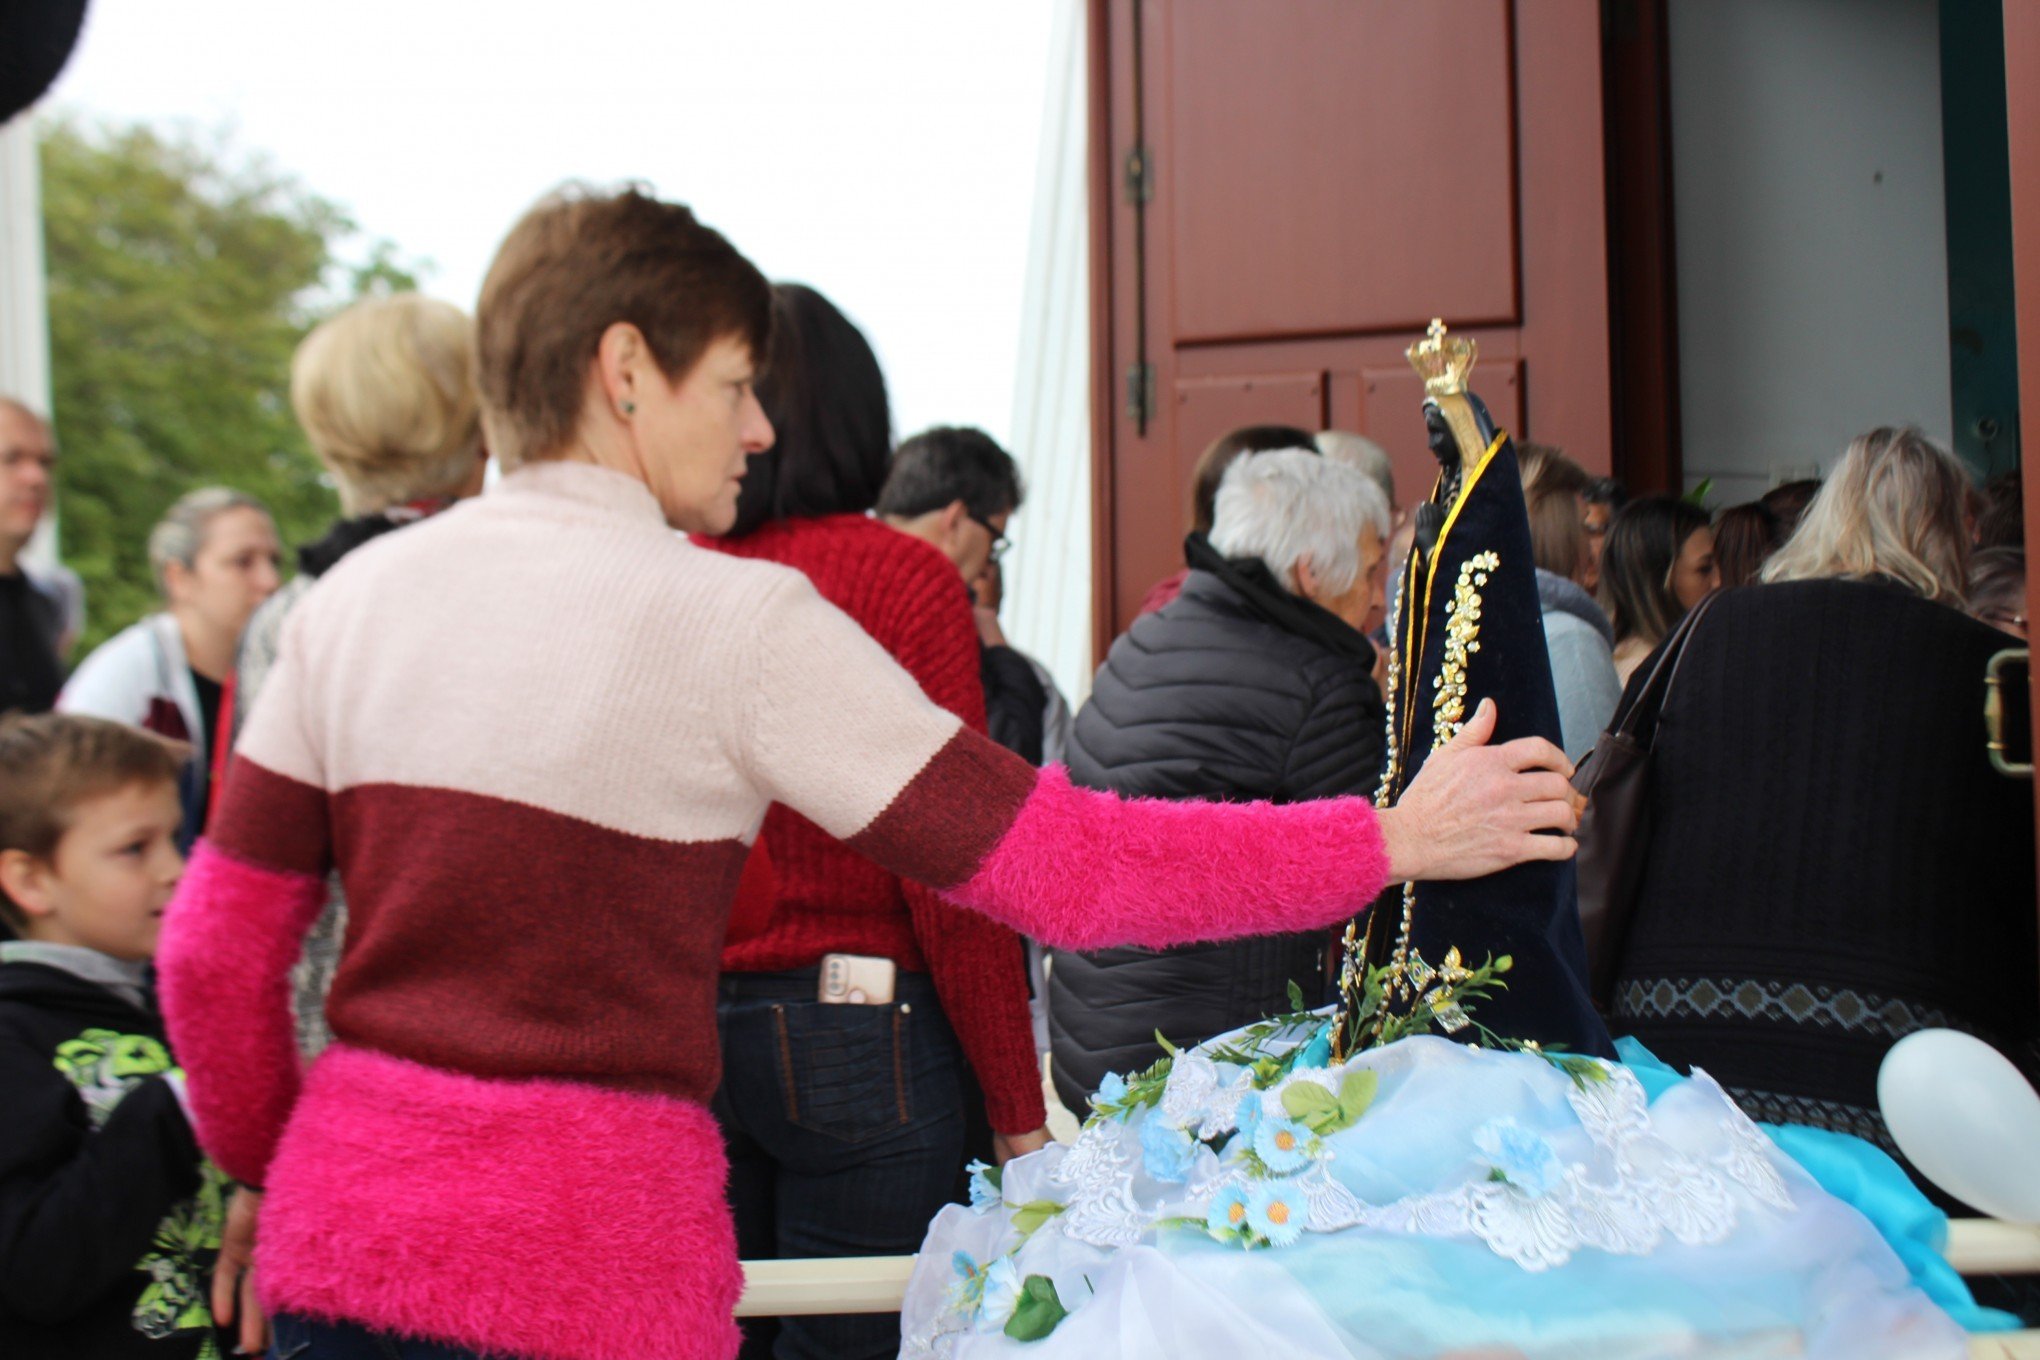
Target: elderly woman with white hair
[(1254, 684)]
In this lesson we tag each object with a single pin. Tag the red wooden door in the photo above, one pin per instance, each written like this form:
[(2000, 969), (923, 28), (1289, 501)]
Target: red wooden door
[(1323, 177)]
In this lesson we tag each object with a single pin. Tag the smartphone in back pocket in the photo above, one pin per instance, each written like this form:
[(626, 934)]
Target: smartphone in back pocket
[(856, 980)]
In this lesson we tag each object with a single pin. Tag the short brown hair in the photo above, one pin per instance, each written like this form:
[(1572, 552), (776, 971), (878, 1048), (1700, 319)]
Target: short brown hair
[(52, 762), (1219, 454), (575, 265)]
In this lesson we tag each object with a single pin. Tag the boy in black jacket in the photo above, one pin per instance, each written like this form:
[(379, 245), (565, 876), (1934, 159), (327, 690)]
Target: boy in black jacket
[(109, 1215)]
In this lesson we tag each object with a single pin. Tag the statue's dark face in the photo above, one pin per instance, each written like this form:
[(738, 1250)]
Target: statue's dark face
[(1439, 436)]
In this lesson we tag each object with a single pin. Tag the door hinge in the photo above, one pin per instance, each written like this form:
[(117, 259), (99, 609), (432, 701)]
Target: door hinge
[(1140, 176), (1140, 394)]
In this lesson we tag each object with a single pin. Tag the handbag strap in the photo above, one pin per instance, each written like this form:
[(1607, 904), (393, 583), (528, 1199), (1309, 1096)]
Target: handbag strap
[(1657, 686)]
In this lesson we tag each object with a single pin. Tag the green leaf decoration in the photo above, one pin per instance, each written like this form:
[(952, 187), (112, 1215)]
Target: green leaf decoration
[(1295, 996), (1035, 1212), (1310, 1105), (1038, 1311), (1167, 1047), (1698, 495), (1324, 1113), (1356, 1093)]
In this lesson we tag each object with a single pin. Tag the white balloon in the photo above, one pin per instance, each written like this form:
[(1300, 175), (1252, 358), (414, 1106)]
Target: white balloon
[(1967, 1119)]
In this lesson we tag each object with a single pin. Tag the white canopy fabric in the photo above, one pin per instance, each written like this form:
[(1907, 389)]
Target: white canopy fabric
[(1047, 610)]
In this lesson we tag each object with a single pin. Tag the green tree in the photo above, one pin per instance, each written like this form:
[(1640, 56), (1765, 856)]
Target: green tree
[(181, 278)]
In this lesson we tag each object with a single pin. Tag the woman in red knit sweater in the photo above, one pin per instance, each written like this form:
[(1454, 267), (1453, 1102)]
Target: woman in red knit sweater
[(850, 1145)]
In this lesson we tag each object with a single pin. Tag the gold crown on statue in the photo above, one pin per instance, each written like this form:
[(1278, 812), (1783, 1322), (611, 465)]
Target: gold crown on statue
[(1442, 361)]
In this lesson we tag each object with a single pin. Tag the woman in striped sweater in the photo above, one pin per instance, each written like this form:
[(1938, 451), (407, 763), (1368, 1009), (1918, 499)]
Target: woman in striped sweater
[(537, 781)]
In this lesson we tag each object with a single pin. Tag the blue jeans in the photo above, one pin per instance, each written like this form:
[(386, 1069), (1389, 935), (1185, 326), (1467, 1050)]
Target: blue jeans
[(296, 1338), (845, 1131)]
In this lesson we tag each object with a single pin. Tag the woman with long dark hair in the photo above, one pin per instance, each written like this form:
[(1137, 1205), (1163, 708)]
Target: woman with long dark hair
[(1659, 563), (822, 1163)]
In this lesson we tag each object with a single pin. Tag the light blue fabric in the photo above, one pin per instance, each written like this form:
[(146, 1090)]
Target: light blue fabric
[(1864, 1177), (1676, 1228)]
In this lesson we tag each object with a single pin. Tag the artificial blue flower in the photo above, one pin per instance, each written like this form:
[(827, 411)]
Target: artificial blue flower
[(1166, 1152), (1283, 1145), (970, 1285), (1228, 1211), (1522, 1157), (1276, 1211), (1001, 1295), (984, 1187), (1249, 1122), (1318, 1052), (1111, 1091)]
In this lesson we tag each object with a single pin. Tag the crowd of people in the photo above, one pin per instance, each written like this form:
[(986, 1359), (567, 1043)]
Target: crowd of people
[(688, 897)]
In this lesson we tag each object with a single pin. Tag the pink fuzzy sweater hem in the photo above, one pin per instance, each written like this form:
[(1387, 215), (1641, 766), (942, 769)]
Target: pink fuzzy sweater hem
[(540, 1219)]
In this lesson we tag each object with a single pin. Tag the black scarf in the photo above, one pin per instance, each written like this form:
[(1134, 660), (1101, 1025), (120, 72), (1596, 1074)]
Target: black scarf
[(317, 558), (1250, 579)]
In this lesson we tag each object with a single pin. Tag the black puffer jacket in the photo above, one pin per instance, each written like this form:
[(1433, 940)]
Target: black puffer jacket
[(1235, 691)]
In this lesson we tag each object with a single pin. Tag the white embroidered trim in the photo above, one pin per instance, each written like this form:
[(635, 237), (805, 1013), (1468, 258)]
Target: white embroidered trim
[(1658, 1191), (1102, 1208), (1204, 1097)]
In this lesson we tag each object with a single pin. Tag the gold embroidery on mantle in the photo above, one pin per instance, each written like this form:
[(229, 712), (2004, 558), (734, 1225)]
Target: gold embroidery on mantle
[(1409, 974)]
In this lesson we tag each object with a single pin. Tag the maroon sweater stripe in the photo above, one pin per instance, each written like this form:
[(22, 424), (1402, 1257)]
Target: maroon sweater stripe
[(455, 957), (272, 820), (947, 821)]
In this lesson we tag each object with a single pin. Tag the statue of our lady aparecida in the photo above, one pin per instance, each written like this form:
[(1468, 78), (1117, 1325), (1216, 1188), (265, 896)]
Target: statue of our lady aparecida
[(1454, 1161)]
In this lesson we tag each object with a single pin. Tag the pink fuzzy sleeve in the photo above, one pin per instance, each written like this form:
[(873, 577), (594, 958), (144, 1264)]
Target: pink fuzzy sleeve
[(1080, 869), (233, 931)]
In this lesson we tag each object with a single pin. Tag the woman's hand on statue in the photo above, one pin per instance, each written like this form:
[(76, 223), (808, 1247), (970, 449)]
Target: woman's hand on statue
[(1007, 1146), (1475, 809)]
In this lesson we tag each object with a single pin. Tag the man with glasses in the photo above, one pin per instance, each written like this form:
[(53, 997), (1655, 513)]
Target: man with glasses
[(31, 619), (954, 487)]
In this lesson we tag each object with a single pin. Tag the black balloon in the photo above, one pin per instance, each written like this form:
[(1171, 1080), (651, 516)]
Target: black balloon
[(36, 38)]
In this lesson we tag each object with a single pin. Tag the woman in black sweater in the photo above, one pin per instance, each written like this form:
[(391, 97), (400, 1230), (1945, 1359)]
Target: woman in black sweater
[(1834, 863)]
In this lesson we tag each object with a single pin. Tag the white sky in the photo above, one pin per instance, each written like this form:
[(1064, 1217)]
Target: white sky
[(883, 152)]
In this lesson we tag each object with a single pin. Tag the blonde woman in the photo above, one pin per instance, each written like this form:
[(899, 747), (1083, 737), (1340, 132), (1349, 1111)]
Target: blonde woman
[(1833, 862), (1892, 510), (385, 394)]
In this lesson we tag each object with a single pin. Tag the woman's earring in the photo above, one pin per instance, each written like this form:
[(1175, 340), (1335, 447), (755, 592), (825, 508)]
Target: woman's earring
[(630, 408)]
